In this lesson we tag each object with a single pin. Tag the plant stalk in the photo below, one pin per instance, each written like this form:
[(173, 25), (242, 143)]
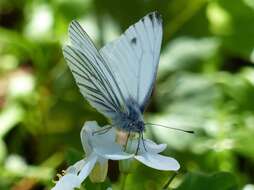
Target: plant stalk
[(123, 180), (166, 186)]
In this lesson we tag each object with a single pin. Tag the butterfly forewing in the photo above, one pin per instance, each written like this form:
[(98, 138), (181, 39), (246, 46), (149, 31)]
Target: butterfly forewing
[(93, 76), (135, 57)]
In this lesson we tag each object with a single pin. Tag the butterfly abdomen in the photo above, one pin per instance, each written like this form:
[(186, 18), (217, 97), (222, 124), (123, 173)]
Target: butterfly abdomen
[(131, 120)]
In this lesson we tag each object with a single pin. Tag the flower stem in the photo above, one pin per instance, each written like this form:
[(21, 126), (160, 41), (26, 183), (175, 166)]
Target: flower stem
[(123, 180), (98, 186), (166, 186)]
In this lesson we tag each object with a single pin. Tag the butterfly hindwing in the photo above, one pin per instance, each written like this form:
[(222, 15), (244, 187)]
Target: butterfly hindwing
[(135, 57)]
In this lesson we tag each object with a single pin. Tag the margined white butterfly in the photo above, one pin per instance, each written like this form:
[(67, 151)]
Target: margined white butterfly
[(118, 79)]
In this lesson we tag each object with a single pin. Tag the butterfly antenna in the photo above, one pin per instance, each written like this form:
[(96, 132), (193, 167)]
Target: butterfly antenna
[(186, 131)]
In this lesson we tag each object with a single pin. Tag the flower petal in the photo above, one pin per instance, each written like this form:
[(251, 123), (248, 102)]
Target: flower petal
[(153, 147), (87, 168), (74, 169), (112, 151), (98, 140), (158, 162), (146, 146), (68, 182), (86, 134), (103, 145), (109, 135), (90, 139)]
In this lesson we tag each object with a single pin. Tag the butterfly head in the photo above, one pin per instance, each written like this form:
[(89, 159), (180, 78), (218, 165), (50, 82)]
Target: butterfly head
[(137, 126)]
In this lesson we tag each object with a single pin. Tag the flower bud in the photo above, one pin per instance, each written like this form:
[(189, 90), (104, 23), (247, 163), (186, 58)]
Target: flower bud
[(99, 172)]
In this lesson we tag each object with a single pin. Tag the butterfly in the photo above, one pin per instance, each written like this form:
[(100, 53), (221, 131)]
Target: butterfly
[(119, 78)]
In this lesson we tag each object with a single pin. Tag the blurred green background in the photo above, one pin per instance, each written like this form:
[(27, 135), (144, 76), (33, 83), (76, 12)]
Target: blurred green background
[(205, 83)]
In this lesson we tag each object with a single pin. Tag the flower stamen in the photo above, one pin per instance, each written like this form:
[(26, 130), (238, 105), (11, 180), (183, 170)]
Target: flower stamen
[(59, 176)]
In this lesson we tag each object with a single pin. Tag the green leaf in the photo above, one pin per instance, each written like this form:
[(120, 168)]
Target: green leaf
[(231, 21), (180, 54), (217, 181), (73, 155), (3, 150), (9, 117)]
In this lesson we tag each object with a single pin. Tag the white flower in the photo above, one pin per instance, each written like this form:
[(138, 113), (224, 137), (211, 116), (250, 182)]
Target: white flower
[(99, 148)]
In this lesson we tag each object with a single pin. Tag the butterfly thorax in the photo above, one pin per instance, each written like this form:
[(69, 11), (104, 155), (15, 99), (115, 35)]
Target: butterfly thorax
[(131, 120)]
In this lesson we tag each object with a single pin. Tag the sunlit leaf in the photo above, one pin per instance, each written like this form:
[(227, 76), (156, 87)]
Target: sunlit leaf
[(220, 181)]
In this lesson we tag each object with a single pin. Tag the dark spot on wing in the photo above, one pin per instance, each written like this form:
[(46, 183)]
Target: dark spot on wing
[(142, 19), (134, 40)]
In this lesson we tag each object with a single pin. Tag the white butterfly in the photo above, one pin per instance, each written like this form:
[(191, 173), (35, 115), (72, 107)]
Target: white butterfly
[(118, 79)]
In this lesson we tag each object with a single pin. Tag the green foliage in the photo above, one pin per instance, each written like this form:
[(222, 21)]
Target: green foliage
[(205, 83), (222, 181)]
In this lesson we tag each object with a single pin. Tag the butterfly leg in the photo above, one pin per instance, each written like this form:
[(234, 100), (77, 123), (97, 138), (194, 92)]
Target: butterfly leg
[(139, 136), (102, 131), (143, 141), (126, 143)]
